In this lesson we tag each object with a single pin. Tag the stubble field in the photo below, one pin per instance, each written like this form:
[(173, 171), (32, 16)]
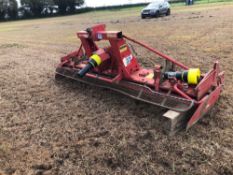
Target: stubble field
[(67, 128)]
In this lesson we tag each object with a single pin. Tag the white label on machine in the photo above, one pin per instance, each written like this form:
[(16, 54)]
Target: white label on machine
[(127, 60)]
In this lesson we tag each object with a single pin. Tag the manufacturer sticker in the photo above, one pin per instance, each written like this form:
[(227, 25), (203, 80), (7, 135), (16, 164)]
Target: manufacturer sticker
[(127, 60), (99, 36)]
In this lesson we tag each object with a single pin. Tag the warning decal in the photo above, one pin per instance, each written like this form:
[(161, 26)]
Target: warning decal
[(123, 48)]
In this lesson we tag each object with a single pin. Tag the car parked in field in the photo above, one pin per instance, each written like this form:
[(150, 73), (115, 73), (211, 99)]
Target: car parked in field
[(156, 9)]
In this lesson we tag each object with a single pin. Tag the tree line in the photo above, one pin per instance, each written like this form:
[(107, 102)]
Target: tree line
[(9, 9)]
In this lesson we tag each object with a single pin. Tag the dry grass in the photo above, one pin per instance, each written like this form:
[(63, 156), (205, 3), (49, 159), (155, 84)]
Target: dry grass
[(69, 128)]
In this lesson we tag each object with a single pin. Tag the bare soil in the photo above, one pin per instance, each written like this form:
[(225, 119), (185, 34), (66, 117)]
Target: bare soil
[(67, 128)]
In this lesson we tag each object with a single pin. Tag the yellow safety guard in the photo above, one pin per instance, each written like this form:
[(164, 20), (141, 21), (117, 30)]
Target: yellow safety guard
[(97, 59), (194, 76)]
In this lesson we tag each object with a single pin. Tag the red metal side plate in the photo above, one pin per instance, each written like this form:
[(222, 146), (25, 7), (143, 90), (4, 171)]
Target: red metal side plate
[(206, 104)]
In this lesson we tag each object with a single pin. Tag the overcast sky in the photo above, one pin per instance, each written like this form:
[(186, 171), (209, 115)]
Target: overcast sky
[(99, 3)]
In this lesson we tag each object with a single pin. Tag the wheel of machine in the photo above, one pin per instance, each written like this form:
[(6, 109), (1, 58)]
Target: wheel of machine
[(168, 12), (157, 14), (143, 17)]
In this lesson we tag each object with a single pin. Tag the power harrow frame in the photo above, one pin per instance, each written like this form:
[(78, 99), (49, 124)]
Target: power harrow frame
[(187, 94)]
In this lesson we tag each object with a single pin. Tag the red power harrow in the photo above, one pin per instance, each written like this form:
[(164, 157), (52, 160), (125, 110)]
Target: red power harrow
[(187, 93)]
